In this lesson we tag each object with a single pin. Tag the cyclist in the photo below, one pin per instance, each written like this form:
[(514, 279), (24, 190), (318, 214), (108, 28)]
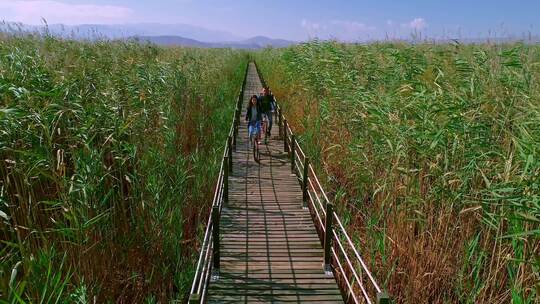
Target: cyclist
[(267, 101), (254, 118)]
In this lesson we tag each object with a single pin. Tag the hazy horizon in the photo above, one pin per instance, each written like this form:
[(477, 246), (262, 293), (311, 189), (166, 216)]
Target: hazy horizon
[(296, 21)]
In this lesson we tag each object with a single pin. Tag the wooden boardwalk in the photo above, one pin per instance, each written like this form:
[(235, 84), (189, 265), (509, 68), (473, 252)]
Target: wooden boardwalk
[(270, 250)]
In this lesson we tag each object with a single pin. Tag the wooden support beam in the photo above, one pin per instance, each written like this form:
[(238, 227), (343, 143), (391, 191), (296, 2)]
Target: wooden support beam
[(285, 145), (328, 238), (383, 298), (293, 144), (280, 122), (229, 143), (305, 177), (226, 180), (215, 243)]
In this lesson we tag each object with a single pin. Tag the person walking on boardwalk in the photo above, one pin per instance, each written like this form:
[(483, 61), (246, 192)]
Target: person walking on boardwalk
[(267, 101), (254, 118)]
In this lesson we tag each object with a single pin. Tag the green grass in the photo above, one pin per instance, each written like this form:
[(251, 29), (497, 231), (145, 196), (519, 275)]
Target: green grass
[(108, 153), (433, 153)]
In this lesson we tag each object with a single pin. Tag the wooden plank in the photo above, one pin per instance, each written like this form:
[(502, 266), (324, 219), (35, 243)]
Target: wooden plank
[(264, 274), (244, 280), (322, 287), (298, 298), (232, 254), (271, 238), (256, 234), (281, 245), (274, 292), (271, 259), (272, 299), (238, 266), (271, 251)]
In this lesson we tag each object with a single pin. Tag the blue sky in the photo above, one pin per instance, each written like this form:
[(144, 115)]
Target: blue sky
[(298, 20)]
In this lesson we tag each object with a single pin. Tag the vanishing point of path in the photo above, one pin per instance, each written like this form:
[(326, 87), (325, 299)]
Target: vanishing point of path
[(270, 250)]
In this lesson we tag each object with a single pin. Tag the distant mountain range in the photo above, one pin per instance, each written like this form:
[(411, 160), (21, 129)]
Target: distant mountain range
[(118, 31), (162, 34), (196, 36), (251, 43)]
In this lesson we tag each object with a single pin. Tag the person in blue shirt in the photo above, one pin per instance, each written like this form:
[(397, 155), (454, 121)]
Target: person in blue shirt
[(254, 118)]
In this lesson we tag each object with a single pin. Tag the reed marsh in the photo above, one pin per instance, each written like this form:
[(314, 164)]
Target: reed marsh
[(108, 152), (432, 154)]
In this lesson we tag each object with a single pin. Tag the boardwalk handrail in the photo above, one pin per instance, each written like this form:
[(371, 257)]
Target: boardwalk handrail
[(352, 273), (205, 268)]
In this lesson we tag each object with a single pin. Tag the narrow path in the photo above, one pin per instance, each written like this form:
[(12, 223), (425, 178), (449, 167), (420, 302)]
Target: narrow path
[(270, 251)]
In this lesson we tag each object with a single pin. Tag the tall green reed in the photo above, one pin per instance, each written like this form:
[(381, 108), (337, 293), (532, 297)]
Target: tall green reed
[(108, 154), (436, 148)]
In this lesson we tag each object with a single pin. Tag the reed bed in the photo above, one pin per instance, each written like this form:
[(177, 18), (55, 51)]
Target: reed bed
[(108, 154), (431, 153)]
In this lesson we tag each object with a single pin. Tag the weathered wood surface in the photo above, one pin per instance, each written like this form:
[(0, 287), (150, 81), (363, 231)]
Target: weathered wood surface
[(270, 250)]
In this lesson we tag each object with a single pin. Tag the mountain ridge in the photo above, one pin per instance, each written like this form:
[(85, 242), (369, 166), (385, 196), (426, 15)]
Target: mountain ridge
[(256, 42), (161, 34)]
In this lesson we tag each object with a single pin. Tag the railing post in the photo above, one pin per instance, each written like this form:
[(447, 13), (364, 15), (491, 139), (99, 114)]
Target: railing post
[(234, 138), (194, 298), (293, 143), (383, 298), (285, 146), (229, 143), (305, 182), (280, 122), (235, 127), (328, 238), (226, 180), (215, 242)]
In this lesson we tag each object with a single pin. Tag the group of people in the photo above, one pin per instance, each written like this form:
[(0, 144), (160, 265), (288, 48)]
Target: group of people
[(260, 107)]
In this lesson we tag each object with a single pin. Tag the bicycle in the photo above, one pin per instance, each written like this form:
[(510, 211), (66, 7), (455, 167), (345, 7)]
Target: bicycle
[(264, 128), (254, 141)]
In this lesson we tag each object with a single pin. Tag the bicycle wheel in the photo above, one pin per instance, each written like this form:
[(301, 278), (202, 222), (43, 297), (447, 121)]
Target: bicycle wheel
[(256, 153), (254, 147), (264, 129), (266, 132)]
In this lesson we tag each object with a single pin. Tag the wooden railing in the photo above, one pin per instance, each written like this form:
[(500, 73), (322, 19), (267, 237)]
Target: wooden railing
[(341, 257), (208, 262)]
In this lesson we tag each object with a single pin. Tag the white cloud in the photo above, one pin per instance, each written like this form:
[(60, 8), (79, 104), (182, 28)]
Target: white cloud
[(352, 26), (339, 29), (313, 27), (389, 22), (416, 24), (310, 26), (32, 12)]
